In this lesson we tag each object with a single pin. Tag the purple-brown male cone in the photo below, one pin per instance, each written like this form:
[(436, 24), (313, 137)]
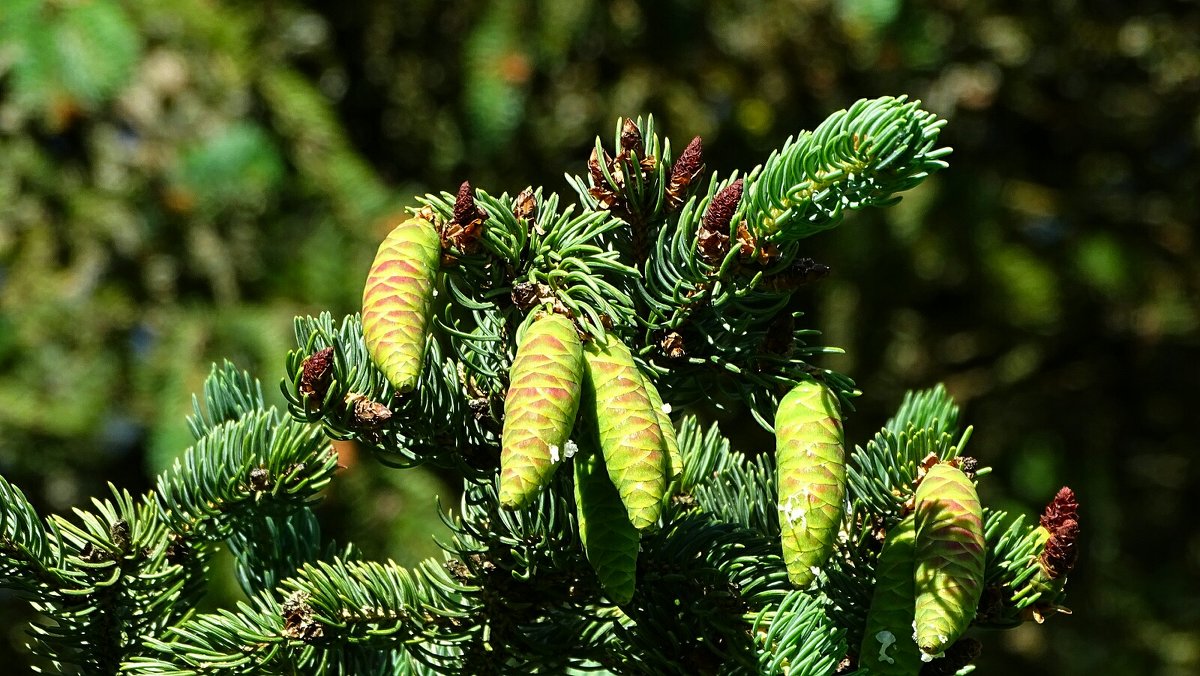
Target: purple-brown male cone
[(1061, 518), (316, 373), (684, 172), (465, 227), (713, 236)]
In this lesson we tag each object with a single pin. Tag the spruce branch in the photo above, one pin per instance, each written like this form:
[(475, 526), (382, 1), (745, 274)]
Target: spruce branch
[(701, 584), (257, 464), (637, 184), (561, 254), (228, 395), (274, 548), (30, 553), (932, 409), (882, 476), (121, 585), (860, 157), (725, 331), (1027, 565), (798, 638), (332, 616), (724, 494), (357, 402), (697, 283)]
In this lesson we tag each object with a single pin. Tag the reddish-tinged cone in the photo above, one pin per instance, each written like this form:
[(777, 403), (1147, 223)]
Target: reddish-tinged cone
[(1064, 507), (1061, 519), (714, 228), (684, 172), (1059, 555), (465, 227), (316, 373)]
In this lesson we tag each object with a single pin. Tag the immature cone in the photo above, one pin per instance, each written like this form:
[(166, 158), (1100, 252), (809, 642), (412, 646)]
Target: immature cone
[(1058, 535), (674, 467), (539, 411), (629, 433), (609, 540), (811, 465), (950, 556), (398, 301), (888, 648), (1060, 522)]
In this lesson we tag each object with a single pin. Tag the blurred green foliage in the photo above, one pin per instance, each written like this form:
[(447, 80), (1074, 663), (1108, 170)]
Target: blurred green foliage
[(178, 179)]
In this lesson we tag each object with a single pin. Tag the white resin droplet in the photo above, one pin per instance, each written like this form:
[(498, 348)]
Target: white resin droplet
[(886, 640)]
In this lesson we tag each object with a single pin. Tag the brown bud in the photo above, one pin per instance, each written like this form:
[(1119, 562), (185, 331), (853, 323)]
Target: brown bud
[(525, 295), (464, 204), (316, 374), (713, 236), (91, 554), (479, 407), (367, 414), (967, 464), (119, 532), (672, 345), (525, 205), (298, 622), (594, 168), (260, 479), (684, 172), (605, 193), (458, 570), (465, 227), (748, 246), (631, 139)]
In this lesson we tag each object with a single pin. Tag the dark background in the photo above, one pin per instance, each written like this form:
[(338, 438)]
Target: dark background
[(178, 179)]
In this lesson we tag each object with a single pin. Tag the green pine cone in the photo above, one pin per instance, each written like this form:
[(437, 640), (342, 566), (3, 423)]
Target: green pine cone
[(398, 301), (609, 540), (539, 411), (950, 557), (811, 475), (674, 459), (888, 648), (628, 430)]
